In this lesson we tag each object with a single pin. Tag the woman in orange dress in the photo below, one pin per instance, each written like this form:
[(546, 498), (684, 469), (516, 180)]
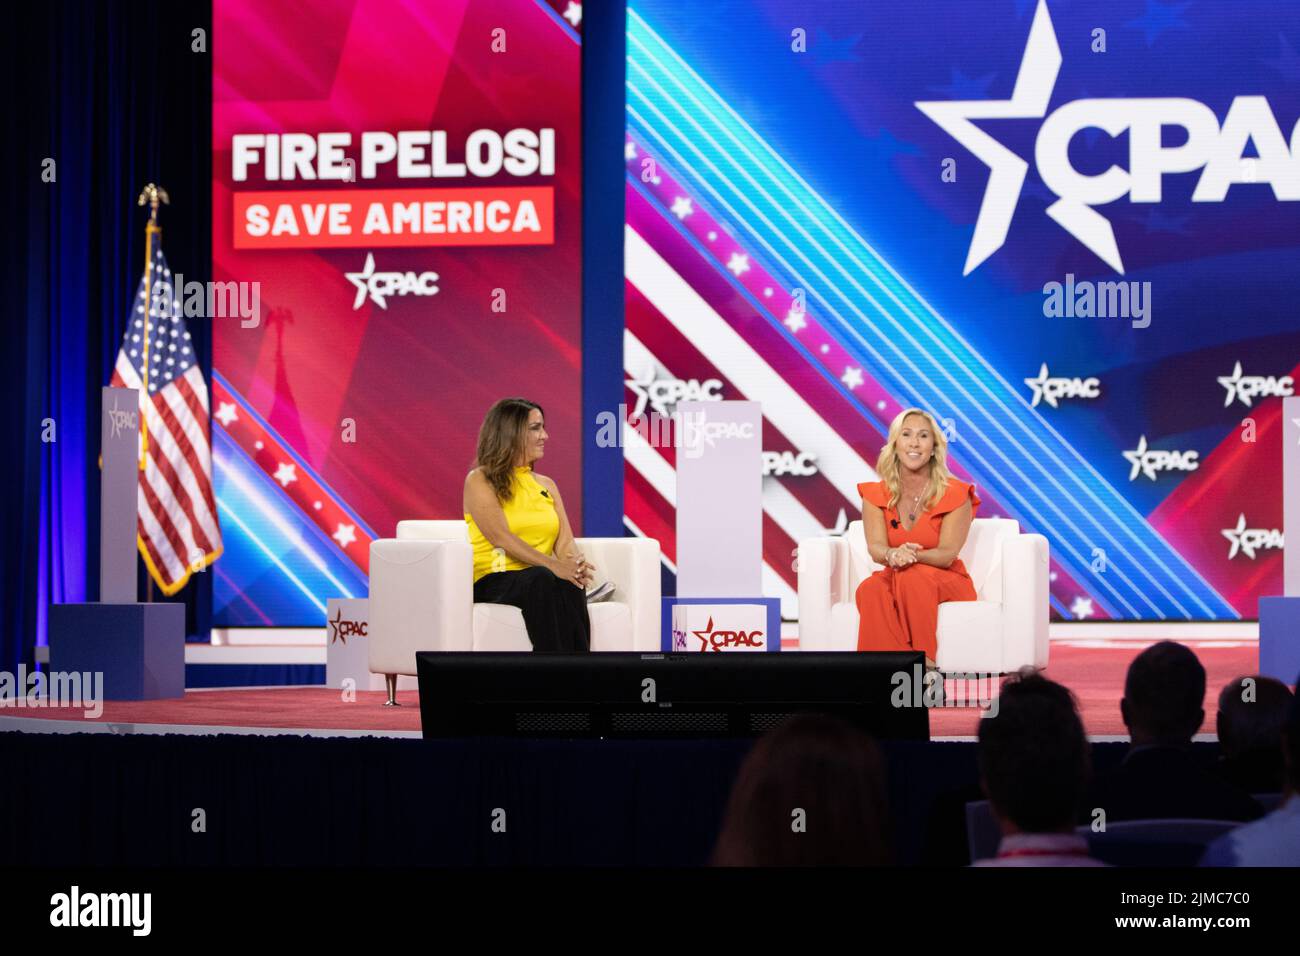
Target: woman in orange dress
[(916, 520)]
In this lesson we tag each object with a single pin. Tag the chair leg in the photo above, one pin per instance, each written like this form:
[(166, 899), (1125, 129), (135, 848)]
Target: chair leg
[(391, 681)]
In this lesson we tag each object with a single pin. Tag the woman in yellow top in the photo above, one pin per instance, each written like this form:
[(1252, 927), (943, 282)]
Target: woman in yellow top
[(524, 552)]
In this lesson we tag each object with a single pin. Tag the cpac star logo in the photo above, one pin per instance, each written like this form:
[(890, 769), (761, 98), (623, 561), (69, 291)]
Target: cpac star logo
[(380, 285), (1150, 461), (1247, 540), (341, 630), (1048, 389), (121, 419), (711, 640), (1250, 387), (663, 394), (1219, 150)]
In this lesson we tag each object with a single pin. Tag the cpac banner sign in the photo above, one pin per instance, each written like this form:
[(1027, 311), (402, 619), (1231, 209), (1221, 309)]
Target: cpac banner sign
[(1220, 151), (708, 628), (712, 624)]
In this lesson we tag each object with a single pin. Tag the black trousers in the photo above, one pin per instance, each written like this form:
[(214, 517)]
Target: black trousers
[(555, 611)]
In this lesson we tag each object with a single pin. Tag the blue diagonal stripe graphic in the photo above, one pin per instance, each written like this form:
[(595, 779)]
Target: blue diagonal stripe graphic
[(1005, 444)]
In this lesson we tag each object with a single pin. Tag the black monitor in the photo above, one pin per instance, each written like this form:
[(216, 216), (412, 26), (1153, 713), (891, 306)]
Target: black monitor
[(630, 694)]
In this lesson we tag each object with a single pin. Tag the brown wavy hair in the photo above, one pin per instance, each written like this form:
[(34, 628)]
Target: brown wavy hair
[(887, 465), (501, 443), (825, 767)]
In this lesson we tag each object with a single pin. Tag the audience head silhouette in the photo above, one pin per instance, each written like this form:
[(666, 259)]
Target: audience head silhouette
[(810, 793), (1033, 756), (1291, 744), (1252, 712), (1164, 696)]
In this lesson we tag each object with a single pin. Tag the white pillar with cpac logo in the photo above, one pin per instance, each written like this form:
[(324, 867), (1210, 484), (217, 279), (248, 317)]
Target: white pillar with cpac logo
[(720, 499)]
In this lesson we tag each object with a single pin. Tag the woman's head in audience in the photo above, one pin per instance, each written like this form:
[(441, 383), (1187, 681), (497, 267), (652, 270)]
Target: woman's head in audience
[(1033, 756), (810, 793)]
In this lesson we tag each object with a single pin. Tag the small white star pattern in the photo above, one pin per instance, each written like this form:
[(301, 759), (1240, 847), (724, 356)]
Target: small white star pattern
[(573, 13), (226, 413), (286, 473), (1081, 608), (852, 377), (682, 207), (345, 535), (795, 321), (738, 263), (629, 150)]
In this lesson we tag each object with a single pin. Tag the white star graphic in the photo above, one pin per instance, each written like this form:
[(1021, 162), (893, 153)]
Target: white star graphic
[(852, 377), (1230, 382), (1234, 536), (738, 263), (1037, 385), (573, 13), (285, 473), (682, 207), (1033, 90), (362, 281), (795, 321), (345, 535), (841, 524), (1081, 608), (629, 150), (1135, 458)]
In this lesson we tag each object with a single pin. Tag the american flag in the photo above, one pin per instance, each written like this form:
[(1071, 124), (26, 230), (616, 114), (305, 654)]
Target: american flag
[(177, 529)]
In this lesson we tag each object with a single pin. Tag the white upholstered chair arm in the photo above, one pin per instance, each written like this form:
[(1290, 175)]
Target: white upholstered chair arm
[(823, 579), (1025, 598), (632, 564)]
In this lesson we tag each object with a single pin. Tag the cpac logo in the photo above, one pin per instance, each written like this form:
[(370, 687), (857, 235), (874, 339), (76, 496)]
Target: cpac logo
[(664, 394), (1050, 390), (781, 463), (711, 640), (1250, 387), (380, 285), (121, 419), (341, 630), (1247, 540), (1218, 150), (1150, 461), (712, 431)]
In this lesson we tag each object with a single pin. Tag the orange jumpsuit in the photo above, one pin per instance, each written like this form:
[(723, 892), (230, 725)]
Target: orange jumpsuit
[(899, 607)]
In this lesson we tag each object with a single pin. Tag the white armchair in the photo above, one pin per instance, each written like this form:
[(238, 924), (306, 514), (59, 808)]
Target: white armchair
[(422, 598), (1002, 631)]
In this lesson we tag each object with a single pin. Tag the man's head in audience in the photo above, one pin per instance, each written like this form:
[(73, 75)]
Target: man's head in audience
[(1164, 696), (1033, 757), (1252, 713)]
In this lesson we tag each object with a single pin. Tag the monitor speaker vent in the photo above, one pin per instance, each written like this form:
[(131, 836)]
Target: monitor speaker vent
[(552, 723), (658, 722)]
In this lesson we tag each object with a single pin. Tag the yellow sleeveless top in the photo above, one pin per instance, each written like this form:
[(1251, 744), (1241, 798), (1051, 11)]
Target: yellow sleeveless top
[(530, 514)]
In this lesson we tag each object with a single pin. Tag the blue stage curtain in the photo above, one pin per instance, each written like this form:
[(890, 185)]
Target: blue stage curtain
[(115, 95)]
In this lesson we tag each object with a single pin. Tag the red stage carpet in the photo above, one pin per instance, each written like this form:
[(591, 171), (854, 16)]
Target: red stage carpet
[(1093, 670)]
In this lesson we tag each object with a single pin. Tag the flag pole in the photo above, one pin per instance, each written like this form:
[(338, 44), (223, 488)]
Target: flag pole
[(152, 194)]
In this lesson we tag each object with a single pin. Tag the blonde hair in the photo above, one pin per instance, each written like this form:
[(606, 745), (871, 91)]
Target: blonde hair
[(887, 466)]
